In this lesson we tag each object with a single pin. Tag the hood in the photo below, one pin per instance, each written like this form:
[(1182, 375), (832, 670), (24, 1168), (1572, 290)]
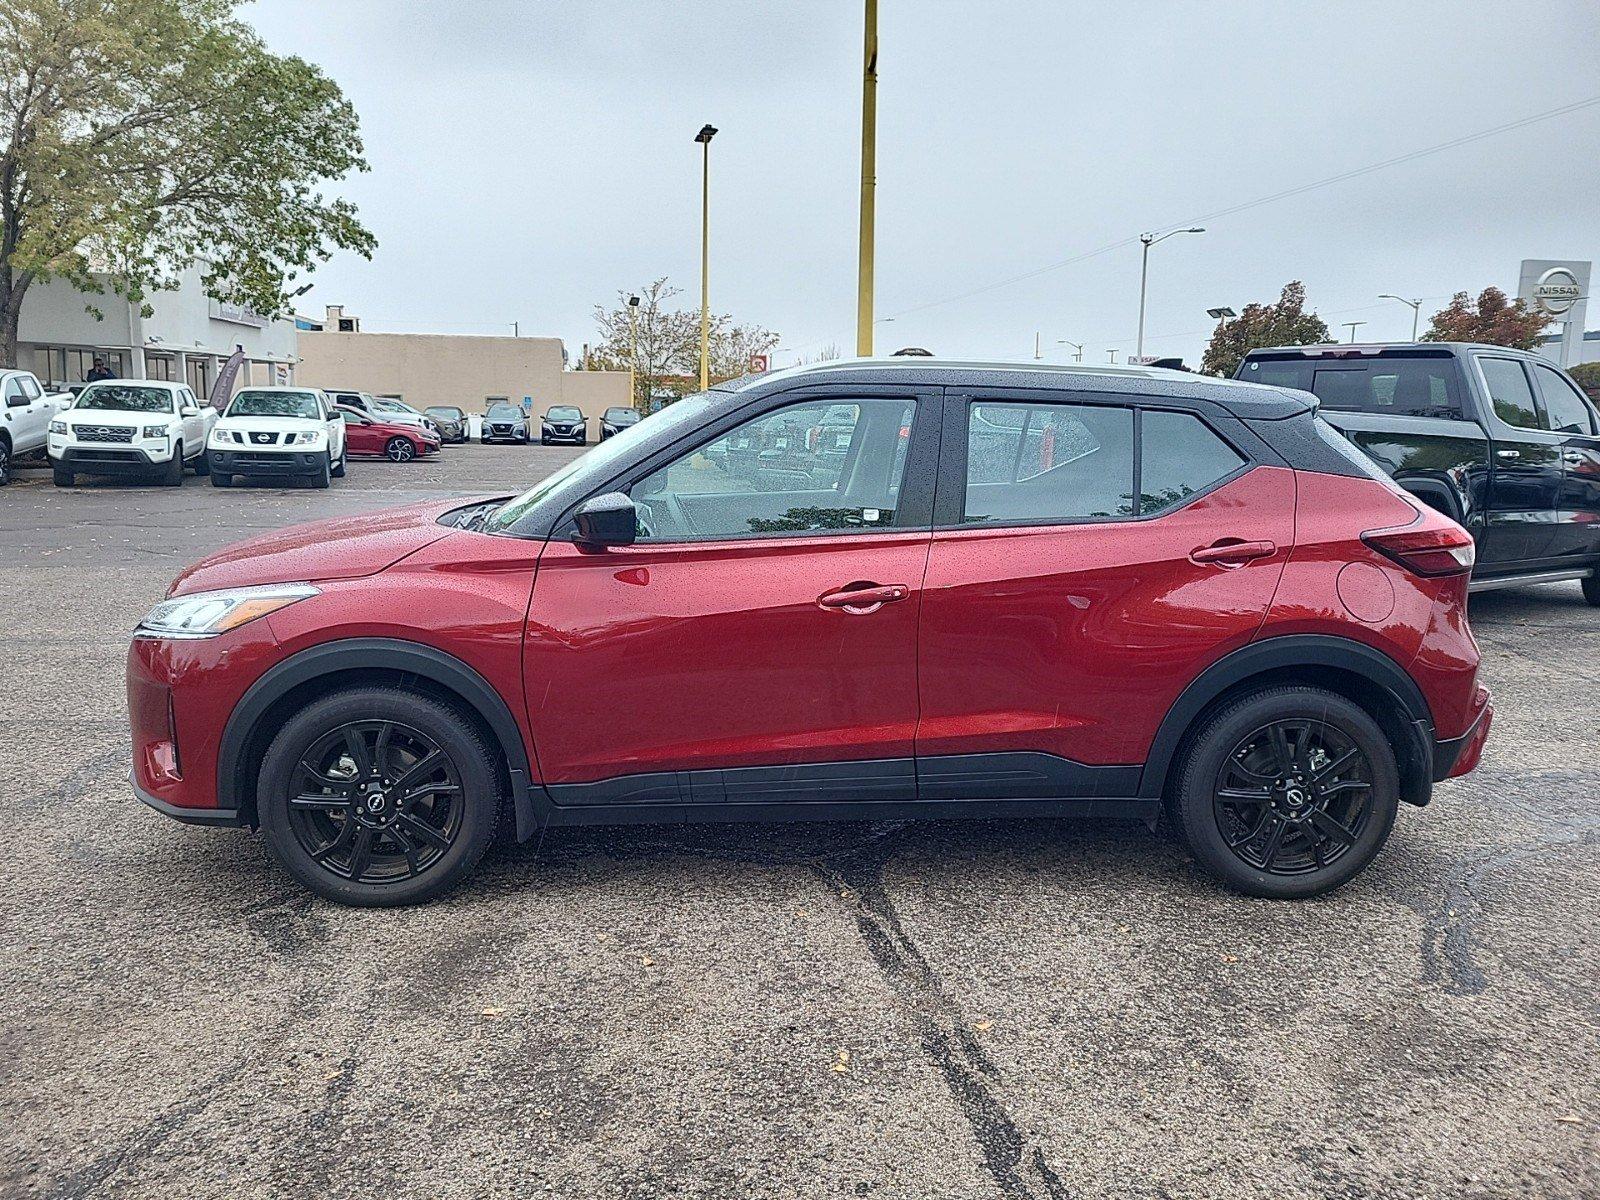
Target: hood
[(342, 548)]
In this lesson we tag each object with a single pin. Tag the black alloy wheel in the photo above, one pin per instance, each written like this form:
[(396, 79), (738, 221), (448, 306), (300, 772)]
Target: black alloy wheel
[(1287, 792), (1292, 796), (379, 796), (375, 802)]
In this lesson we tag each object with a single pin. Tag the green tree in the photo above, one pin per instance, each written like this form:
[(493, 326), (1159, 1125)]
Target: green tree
[(140, 136), (1285, 323), (1493, 319), (1587, 376), (661, 342)]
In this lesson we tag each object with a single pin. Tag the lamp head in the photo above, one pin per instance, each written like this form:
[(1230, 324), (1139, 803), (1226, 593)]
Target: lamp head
[(707, 132)]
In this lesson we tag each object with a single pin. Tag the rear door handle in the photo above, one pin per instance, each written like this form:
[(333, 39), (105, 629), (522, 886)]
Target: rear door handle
[(863, 600), (1574, 457), (1508, 453), (1232, 553)]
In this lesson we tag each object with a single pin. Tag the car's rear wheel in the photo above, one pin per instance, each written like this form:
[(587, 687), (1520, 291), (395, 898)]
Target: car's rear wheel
[(399, 449), (378, 796), (1288, 792)]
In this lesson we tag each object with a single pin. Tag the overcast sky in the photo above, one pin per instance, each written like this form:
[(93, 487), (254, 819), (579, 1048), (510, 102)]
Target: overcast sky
[(530, 159)]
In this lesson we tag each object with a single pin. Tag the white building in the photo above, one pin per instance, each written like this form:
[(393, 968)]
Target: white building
[(188, 336)]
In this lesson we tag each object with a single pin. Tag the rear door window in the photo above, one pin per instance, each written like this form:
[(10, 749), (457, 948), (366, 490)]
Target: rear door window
[(1509, 390), (1566, 409), (1048, 462), (1179, 456)]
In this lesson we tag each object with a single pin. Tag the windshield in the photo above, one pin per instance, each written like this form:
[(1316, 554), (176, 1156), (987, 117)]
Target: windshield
[(621, 414), (389, 405), (564, 414), (597, 463), (119, 397), (504, 412), (448, 414), (275, 404)]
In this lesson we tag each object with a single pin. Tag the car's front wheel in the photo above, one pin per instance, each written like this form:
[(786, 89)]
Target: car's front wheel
[(5, 462), (344, 459), (399, 450), (1287, 792), (1591, 590), (172, 472), (378, 796)]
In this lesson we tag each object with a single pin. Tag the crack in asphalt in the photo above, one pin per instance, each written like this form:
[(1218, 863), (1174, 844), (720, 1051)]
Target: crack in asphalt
[(973, 1080)]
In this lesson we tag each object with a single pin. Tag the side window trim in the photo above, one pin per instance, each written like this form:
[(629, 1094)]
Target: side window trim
[(950, 502)]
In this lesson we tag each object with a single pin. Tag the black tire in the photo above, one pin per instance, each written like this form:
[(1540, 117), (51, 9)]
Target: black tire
[(334, 817), (324, 473), (1293, 851), (172, 472), (5, 461), (543, 441), (63, 477), (221, 479), (399, 449), (1591, 590), (202, 464), (344, 460)]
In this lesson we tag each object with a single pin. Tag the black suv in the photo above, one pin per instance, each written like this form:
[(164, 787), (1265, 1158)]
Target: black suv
[(564, 423), (1501, 440)]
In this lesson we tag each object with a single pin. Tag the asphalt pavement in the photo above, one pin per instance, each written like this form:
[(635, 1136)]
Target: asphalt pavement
[(1008, 1009)]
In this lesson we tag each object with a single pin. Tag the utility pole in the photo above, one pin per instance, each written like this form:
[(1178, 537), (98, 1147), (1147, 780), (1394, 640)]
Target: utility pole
[(1352, 326), (869, 180), (1113, 355), (633, 352), (1036, 355)]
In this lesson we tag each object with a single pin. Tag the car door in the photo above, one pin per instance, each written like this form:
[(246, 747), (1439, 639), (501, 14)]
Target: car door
[(335, 428), (1090, 557), (1525, 477), (192, 418), (1570, 416), (757, 643), (27, 413), (359, 433)]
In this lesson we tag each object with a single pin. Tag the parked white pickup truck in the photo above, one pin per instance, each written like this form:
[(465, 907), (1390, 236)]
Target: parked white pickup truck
[(131, 426), (26, 411)]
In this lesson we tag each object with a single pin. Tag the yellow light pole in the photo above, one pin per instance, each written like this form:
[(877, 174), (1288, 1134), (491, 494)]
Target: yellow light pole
[(633, 353), (707, 132), (869, 178)]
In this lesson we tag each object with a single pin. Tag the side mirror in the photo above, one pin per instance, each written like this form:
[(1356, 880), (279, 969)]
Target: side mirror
[(16, 401), (608, 520), (188, 410)]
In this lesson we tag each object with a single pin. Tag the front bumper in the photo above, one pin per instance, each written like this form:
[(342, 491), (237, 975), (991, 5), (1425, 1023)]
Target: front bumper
[(222, 818), (575, 436), (283, 463), (504, 435), (109, 459)]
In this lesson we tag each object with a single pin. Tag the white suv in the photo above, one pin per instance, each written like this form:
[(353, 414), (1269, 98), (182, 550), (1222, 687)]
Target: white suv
[(278, 432), (131, 426)]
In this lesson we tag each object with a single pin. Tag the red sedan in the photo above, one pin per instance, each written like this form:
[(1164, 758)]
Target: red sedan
[(366, 437)]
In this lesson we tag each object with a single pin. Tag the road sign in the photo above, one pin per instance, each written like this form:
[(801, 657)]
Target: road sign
[(758, 364), (1142, 360)]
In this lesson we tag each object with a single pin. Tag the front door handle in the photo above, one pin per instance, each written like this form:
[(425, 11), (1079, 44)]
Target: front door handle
[(1508, 453), (1230, 553), (1572, 457), (863, 600)]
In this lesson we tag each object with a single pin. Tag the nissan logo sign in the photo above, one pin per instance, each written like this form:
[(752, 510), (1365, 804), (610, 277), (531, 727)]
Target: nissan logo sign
[(1557, 291)]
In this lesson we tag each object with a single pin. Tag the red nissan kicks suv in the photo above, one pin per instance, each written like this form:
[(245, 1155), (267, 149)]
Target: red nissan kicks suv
[(869, 590)]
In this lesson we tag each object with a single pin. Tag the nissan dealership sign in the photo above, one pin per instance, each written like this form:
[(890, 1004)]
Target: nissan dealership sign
[(1560, 290)]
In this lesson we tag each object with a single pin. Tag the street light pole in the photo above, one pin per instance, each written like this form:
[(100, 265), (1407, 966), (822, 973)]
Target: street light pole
[(1077, 348), (869, 180), (1414, 305), (1147, 240), (1352, 326), (707, 132), (633, 352)]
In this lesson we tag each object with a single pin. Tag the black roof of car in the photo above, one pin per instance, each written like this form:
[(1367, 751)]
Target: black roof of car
[(1376, 349), (1251, 401)]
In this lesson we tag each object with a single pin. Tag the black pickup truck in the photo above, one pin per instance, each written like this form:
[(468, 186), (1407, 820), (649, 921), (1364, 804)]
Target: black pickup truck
[(1501, 440)]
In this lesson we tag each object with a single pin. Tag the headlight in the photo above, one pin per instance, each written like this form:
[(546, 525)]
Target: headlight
[(153, 431), (206, 614), (304, 438), (58, 426)]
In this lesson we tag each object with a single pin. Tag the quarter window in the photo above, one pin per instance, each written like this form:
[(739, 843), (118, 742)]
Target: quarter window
[(1568, 411), (1179, 456), (1508, 389), (1048, 462), (816, 468)]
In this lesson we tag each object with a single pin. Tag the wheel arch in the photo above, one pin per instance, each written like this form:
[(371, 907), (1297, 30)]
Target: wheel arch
[(354, 662), (1362, 674)]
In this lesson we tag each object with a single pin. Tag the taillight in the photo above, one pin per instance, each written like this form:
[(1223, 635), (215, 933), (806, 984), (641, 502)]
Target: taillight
[(1443, 549)]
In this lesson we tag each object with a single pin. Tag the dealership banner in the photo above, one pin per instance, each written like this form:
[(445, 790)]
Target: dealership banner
[(222, 391)]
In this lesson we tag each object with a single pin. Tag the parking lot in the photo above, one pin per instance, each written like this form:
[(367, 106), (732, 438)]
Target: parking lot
[(1027, 1009)]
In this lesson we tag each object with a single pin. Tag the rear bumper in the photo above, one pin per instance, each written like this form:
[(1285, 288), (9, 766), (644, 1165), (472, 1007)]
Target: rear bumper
[(1456, 756), (260, 462)]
